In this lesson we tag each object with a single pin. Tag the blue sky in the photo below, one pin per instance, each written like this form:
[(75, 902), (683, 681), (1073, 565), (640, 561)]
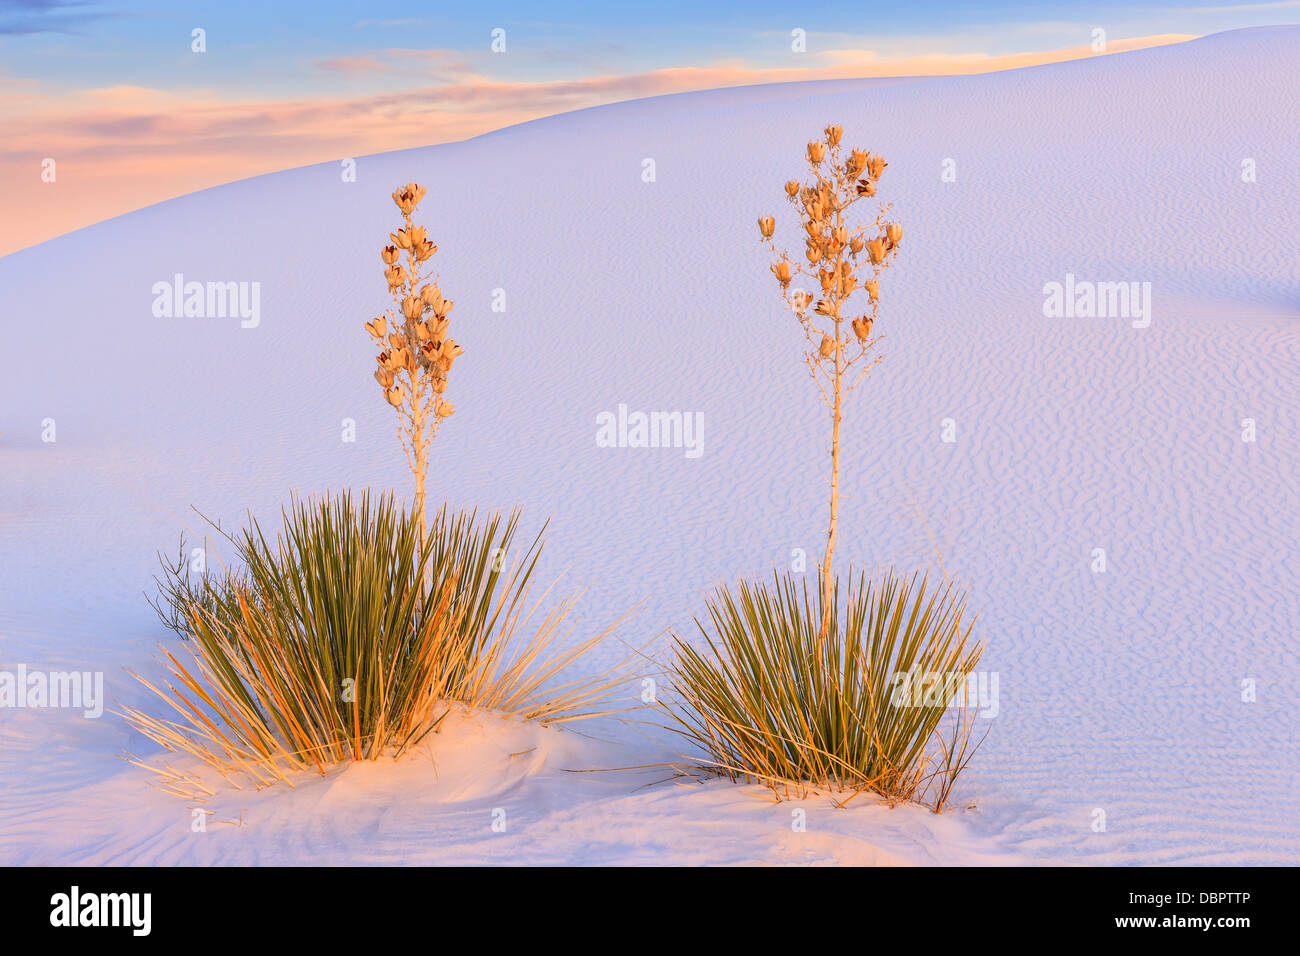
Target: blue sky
[(276, 47)]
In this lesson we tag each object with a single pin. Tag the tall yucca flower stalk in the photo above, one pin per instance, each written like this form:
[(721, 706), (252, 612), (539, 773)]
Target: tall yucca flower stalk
[(415, 353), (842, 259)]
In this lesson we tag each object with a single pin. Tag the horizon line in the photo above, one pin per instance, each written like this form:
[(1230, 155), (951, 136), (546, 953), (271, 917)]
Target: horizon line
[(175, 172)]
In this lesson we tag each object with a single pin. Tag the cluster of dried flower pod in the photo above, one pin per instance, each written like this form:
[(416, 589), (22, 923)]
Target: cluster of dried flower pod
[(835, 255), (419, 344), (416, 353)]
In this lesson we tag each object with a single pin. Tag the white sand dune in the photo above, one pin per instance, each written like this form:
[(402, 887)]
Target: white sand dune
[(485, 791), (1119, 692)]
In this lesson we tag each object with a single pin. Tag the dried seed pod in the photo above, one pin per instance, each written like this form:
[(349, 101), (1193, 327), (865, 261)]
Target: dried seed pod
[(816, 152), (857, 245), (443, 409), (791, 188), (767, 226), (895, 232), (862, 328), (834, 134), (823, 307), (827, 347), (383, 377), (876, 249), (389, 254), (413, 307), (394, 395), (377, 327), (866, 187), (408, 197), (782, 272), (873, 289)]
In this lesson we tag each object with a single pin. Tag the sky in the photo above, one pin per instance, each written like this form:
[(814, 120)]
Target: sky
[(130, 113)]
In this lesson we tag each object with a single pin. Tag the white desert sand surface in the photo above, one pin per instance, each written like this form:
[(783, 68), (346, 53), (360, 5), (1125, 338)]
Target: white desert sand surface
[(1119, 692)]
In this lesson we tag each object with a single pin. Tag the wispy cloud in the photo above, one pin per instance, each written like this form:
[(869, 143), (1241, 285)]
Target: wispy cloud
[(429, 63), (32, 17), (407, 22)]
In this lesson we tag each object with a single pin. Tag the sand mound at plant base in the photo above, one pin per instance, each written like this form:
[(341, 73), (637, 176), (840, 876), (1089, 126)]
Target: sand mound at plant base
[(486, 790)]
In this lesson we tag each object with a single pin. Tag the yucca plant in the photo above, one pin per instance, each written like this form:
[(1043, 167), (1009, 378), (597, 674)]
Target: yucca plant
[(844, 258), (798, 689), (770, 698), (331, 649), (416, 351)]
